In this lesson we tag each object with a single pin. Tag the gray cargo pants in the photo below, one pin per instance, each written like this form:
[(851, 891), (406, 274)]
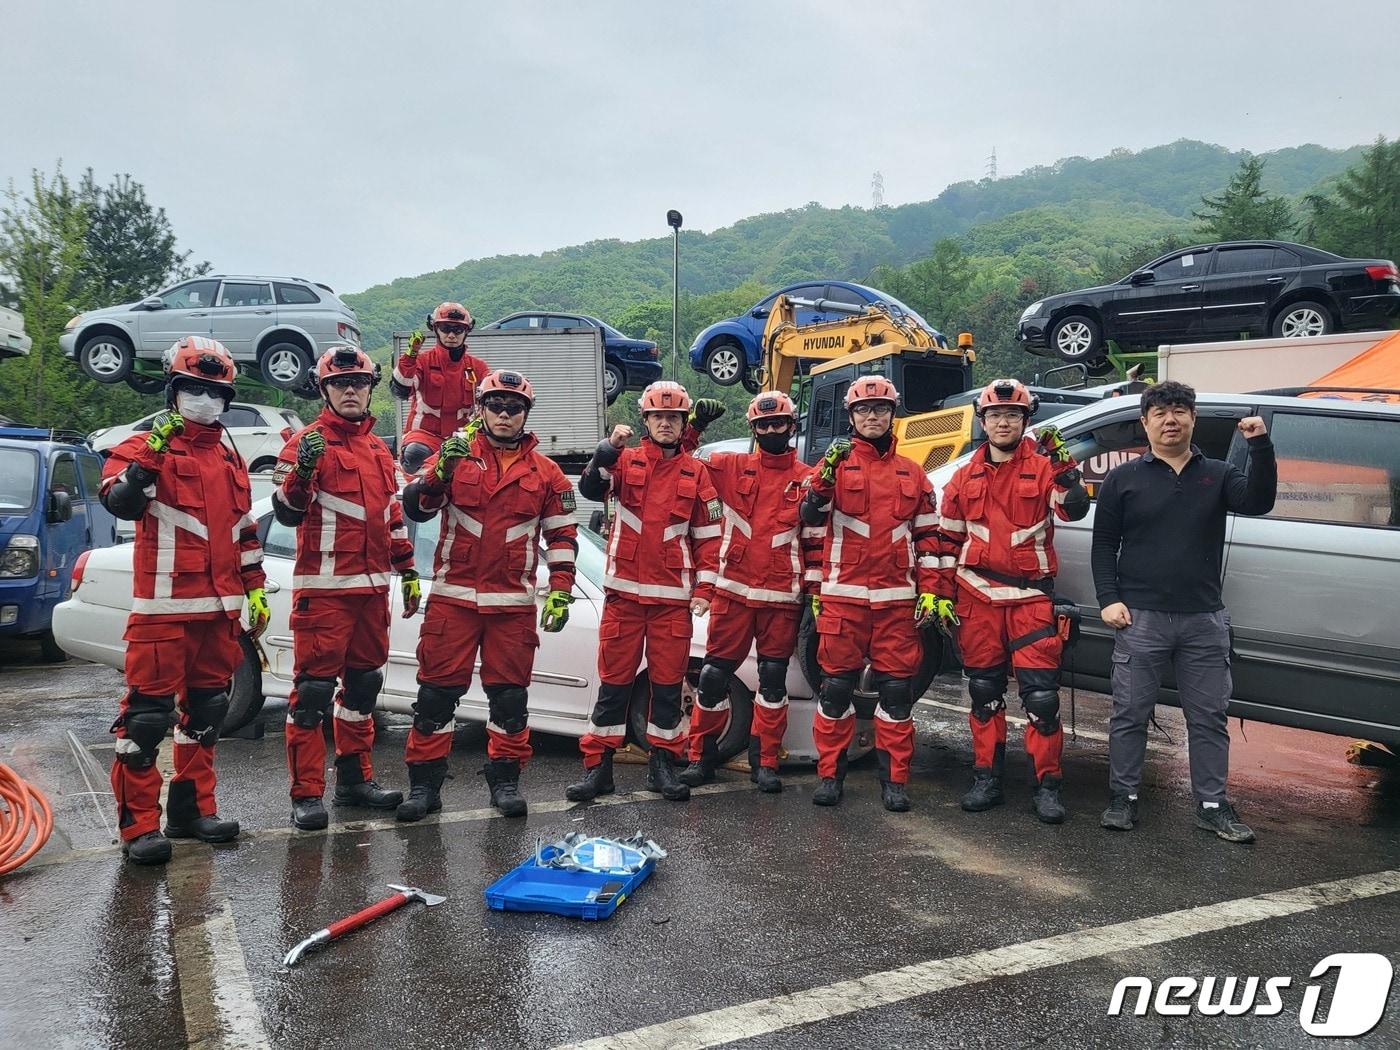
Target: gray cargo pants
[(1197, 646)]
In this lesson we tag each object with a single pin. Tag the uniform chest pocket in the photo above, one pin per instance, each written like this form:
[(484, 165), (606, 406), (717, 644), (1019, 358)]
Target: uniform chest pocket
[(1028, 504), (852, 496), (186, 485), (974, 498), (906, 497), (468, 490)]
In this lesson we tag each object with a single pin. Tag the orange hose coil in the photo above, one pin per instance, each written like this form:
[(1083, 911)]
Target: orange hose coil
[(24, 816)]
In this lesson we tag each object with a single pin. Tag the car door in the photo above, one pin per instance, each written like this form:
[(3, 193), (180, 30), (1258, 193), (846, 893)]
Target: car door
[(186, 311), (102, 524), (1312, 586), (1239, 292), (63, 541), (245, 310), (1163, 309)]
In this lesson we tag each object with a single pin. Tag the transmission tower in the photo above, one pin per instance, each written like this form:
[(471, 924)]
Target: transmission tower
[(877, 190), (992, 164)]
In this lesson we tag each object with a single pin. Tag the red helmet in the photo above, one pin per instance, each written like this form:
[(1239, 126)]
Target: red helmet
[(451, 313), (503, 381), (343, 359), (871, 388), (769, 404), (665, 395), (1009, 392), (199, 357)]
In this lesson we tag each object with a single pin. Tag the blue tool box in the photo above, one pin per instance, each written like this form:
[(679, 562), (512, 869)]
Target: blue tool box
[(580, 894)]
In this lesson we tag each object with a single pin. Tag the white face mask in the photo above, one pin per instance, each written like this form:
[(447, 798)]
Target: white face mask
[(202, 408)]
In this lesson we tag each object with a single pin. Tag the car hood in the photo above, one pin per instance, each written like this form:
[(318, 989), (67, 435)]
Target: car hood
[(14, 522), (632, 344), (109, 311)]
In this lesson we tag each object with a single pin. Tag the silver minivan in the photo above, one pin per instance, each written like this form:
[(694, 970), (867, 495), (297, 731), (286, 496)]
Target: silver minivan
[(1312, 588), (275, 328)]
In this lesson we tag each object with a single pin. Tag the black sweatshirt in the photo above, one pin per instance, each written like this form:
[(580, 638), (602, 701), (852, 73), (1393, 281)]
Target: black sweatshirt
[(1159, 536)]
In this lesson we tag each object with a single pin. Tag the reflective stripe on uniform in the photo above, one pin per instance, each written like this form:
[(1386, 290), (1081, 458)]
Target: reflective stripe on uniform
[(330, 581), (471, 594), (645, 590), (757, 594), (996, 592), (873, 595), (158, 606), (339, 505)]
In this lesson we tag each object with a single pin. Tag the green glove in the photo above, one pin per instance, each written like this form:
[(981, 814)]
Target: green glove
[(310, 449), (839, 450), (453, 449), (1052, 443), (555, 613), (705, 412), (166, 426), (412, 592), (415, 342), (931, 605), (258, 612), (473, 428), (816, 600)]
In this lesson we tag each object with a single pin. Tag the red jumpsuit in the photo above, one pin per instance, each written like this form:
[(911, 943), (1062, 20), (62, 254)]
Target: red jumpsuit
[(879, 551), (196, 555), (498, 507), (661, 554), (441, 393), (350, 533), (997, 558), (758, 596)]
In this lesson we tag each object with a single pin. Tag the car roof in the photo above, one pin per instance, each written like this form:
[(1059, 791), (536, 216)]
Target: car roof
[(546, 313), (1303, 249)]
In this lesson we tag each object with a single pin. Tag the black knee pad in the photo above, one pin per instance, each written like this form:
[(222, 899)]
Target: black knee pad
[(897, 698), (147, 720), (413, 456), (1042, 709), (362, 689), (434, 707), (772, 678), (987, 689), (314, 697), (207, 709), (837, 692), (714, 681), (507, 707)]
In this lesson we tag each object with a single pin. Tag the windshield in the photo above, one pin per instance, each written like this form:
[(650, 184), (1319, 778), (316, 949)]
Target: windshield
[(909, 310), (19, 477)]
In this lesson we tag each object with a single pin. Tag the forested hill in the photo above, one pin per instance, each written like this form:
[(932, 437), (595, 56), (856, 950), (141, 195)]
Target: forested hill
[(1151, 191)]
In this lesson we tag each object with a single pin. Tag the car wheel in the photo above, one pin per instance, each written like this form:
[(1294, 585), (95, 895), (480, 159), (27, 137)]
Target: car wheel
[(106, 358), (733, 740), (245, 695), (286, 366), (1077, 338), (144, 384), (263, 466), (50, 652), (930, 663), (725, 364), (614, 382), (750, 383), (1300, 320)]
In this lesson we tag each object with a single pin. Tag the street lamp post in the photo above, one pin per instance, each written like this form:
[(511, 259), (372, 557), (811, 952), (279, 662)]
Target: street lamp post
[(673, 219)]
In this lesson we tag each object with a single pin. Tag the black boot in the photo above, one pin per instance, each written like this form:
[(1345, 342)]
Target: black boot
[(661, 776), (766, 778), (597, 780), (150, 848), (352, 789), (503, 778), (701, 770), (985, 791), (828, 792), (309, 814), (183, 819), (894, 796), (424, 789), (1046, 802)]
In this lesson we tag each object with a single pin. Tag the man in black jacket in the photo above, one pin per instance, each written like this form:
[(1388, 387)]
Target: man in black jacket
[(1159, 538)]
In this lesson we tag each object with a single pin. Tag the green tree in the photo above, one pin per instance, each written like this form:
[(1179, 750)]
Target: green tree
[(1360, 216), (1243, 210), (130, 244)]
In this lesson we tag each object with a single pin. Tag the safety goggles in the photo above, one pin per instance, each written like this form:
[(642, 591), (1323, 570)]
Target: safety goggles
[(504, 406), (350, 382), (771, 426), (198, 386), (872, 408), (444, 328)]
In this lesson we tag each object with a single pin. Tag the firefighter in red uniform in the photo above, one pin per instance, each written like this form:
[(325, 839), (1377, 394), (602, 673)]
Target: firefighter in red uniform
[(195, 562), (997, 527), (498, 496), (758, 592), (878, 571), (337, 489), (660, 571), (439, 384)]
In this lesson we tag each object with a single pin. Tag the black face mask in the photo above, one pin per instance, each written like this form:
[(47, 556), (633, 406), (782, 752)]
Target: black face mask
[(881, 444), (773, 444)]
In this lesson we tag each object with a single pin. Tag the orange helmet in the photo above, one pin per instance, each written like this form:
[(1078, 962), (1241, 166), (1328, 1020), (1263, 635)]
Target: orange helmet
[(769, 404), (665, 395), (503, 381), (453, 313), (871, 388), (343, 359), (1010, 392), (199, 357)]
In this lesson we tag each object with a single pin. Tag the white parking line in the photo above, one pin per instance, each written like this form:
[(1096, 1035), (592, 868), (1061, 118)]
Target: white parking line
[(762, 1016), (216, 994)]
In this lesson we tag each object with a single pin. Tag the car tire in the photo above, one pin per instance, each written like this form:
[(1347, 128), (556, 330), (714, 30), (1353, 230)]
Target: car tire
[(1302, 319), (726, 363), (263, 466), (245, 694), (614, 382), (106, 358), (285, 366), (1077, 339), (146, 384), (929, 664), (734, 740), (50, 652), (750, 383)]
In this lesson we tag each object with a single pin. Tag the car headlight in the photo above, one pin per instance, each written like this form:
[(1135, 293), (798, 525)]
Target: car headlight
[(1032, 310), (20, 559), (72, 324)]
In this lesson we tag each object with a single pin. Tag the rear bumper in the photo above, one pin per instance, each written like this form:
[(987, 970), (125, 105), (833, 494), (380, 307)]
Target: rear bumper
[(91, 632), (1033, 335), (641, 373), (1362, 310)]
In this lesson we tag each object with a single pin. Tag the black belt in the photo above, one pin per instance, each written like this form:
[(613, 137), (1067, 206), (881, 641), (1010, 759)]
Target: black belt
[(1046, 584)]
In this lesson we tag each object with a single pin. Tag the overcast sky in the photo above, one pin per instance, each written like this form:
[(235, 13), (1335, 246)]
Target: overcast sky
[(355, 142)]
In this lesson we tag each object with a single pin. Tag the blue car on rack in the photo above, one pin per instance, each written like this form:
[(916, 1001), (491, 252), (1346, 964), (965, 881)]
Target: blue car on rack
[(49, 515), (729, 351)]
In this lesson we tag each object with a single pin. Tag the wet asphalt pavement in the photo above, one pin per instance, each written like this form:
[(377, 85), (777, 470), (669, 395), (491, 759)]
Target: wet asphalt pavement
[(782, 924)]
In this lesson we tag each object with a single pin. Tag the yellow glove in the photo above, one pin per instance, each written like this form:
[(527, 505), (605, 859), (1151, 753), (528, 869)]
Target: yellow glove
[(415, 343), (258, 612), (412, 592), (165, 427), (928, 605), (816, 605), (555, 613)]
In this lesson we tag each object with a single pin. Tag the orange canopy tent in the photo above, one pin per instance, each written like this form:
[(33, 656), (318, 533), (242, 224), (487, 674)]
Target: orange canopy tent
[(1376, 371)]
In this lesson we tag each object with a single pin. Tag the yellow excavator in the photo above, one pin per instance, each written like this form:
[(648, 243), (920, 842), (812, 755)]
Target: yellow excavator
[(877, 339)]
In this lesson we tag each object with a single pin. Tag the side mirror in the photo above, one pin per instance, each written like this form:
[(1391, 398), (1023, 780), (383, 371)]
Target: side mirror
[(153, 302), (1142, 277), (759, 311), (60, 508)]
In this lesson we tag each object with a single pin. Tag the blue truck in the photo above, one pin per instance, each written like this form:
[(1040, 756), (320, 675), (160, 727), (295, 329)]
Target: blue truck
[(49, 515)]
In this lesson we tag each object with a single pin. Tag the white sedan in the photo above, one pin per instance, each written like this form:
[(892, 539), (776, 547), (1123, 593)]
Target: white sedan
[(91, 623)]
